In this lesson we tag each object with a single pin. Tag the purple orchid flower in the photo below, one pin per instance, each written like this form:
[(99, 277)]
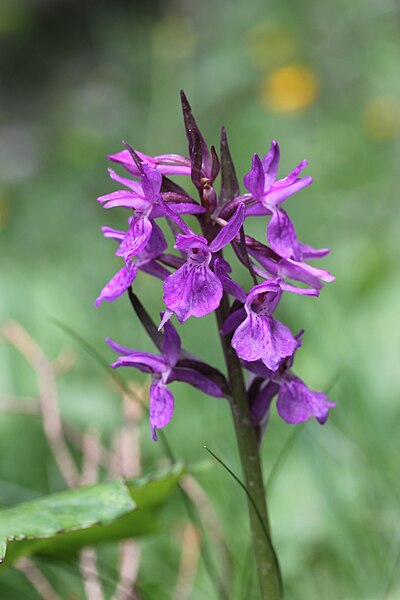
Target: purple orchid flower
[(296, 403), (194, 289), (166, 164), (253, 321), (273, 265), (263, 186), (144, 199), (164, 369), (269, 194), (260, 336), (286, 268), (141, 200), (144, 261)]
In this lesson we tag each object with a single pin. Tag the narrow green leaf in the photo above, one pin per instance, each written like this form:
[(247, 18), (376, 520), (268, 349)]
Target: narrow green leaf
[(244, 488)]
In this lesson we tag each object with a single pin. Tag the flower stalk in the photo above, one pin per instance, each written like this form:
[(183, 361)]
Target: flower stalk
[(267, 566), (265, 557)]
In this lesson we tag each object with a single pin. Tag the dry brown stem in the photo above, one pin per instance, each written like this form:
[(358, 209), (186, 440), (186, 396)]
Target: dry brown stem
[(14, 333), (189, 563), (128, 464), (89, 475), (37, 579), (211, 521)]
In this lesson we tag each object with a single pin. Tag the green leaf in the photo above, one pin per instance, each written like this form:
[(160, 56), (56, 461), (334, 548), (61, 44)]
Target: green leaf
[(61, 524)]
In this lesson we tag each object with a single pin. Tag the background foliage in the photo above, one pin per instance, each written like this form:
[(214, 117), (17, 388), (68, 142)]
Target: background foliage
[(322, 78)]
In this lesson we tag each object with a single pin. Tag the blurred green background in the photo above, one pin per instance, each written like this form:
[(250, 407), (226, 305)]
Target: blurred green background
[(323, 79)]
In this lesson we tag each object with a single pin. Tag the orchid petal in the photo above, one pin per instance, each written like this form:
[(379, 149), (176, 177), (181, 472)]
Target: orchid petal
[(119, 194), (133, 185), (230, 231), (278, 194), (164, 163), (124, 199), (118, 348), (184, 243), (287, 287), (151, 182), (297, 403), (257, 210), (155, 270), (288, 268), (288, 362), (260, 407), (258, 368), (263, 337), (292, 176), (301, 271), (197, 380), (254, 181), (282, 236), (136, 238), (142, 360), (178, 208), (156, 244), (171, 345), (230, 286), (161, 407), (233, 321), (309, 253), (166, 317), (117, 285), (270, 291), (261, 272), (270, 163), (171, 260), (175, 217), (270, 265), (172, 159), (125, 159), (114, 234)]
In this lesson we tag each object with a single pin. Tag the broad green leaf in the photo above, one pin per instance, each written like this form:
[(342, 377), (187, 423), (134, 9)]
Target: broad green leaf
[(61, 524)]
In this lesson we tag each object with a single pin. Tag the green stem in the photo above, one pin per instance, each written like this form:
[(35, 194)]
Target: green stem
[(266, 562)]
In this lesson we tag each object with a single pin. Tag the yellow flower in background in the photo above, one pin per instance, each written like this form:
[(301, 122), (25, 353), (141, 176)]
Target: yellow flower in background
[(173, 38), (381, 118), (290, 88), (4, 212), (270, 45)]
